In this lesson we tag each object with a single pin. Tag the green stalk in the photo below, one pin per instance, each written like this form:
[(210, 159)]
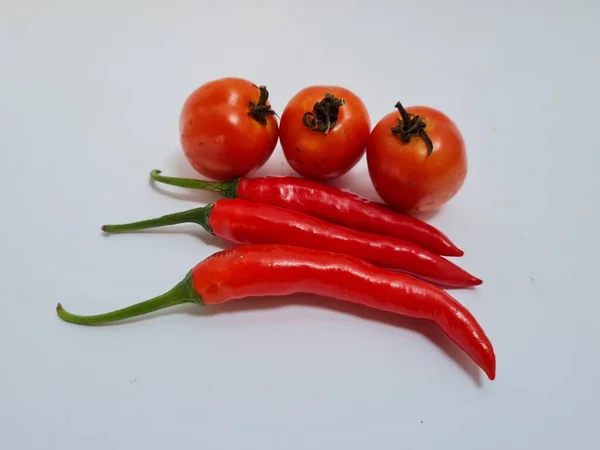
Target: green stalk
[(227, 189), (182, 293), (196, 215)]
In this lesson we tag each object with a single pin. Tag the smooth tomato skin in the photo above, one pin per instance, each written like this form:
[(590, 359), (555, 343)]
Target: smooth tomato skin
[(324, 156), (404, 175), (218, 136)]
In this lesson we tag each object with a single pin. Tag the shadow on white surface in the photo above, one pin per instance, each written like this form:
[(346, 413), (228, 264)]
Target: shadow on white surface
[(190, 229), (428, 329)]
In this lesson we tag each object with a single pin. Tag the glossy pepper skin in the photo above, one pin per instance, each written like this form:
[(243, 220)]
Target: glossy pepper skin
[(245, 222), (328, 203), (268, 270)]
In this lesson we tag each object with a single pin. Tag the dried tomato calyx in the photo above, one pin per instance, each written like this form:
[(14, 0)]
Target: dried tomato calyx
[(261, 110), (410, 126), (324, 115)]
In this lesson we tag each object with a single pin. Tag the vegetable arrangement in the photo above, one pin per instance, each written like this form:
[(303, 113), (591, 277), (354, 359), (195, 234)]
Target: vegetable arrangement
[(327, 203), (299, 235)]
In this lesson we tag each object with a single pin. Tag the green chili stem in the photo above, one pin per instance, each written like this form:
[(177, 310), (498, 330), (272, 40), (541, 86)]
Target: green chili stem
[(227, 188), (182, 293), (196, 215)]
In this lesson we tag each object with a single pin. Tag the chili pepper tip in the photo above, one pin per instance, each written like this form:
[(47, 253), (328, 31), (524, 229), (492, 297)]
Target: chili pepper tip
[(491, 370)]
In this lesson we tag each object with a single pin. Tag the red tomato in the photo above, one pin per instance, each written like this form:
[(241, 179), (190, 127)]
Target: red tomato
[(416, 158), (324, 131), (227, 128)]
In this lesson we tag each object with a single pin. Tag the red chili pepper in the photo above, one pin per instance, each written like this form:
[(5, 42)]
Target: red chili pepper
[(245, 222), (265, 270), (327, 203)]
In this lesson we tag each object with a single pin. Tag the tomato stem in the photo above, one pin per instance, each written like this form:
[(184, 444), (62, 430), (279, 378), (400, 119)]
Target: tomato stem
[(410, 126), (324, 115), (227, 189), (183, 292), (196, 215), (259, 111)]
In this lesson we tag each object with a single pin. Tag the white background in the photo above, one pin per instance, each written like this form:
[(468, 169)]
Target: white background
[(90, 94)]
